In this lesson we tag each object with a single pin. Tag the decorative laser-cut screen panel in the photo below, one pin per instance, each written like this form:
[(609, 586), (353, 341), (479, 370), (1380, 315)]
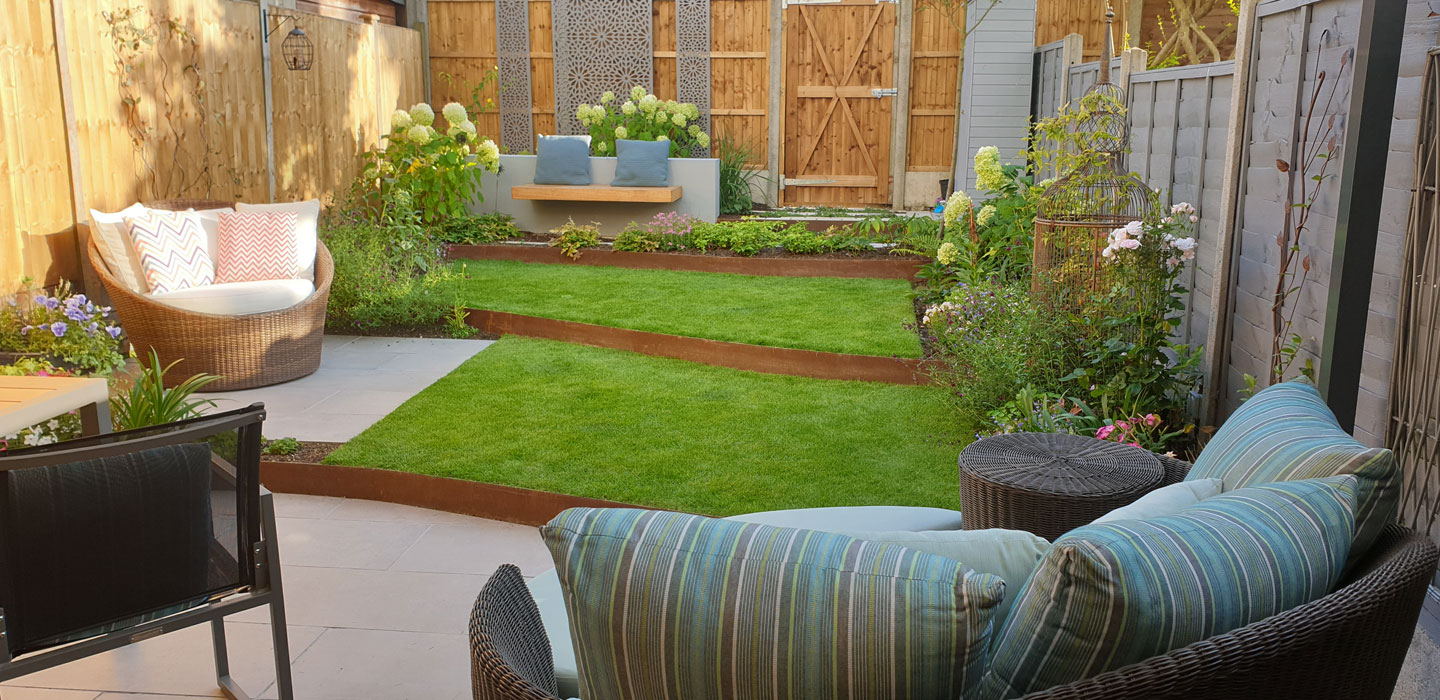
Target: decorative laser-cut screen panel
[(512, 33), (599, 45), (692, 59)]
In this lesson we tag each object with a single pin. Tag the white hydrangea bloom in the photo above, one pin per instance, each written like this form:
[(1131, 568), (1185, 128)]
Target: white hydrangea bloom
[(621, 132), (678, 119), (648, 103), (662, 137), (488, 154), (703, 139), (628, 108), (454, 113), (602, 147), (418, 134), (607, 97), (422, 114), (637, 93), (400, 120), (956, 207), (694, 129)]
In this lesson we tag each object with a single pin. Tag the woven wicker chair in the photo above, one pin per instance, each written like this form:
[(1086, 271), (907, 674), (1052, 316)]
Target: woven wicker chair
[(245, 351), (1347, 645)]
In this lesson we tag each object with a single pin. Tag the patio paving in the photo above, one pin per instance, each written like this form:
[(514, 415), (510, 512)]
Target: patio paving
[(360, 379), (378, 597)]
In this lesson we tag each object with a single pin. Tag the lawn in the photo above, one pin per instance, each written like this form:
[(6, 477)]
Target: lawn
[(860, 316), (667, 433)]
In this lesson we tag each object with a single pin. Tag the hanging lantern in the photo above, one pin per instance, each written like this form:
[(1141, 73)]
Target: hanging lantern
[(297, 50)]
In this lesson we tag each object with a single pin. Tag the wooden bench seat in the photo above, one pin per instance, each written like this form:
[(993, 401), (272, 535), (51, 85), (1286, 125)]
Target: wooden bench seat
[(595, 193)]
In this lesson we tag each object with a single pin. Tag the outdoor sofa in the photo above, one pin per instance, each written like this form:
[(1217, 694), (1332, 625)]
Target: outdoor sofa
[(250, 334), (1349, 642)]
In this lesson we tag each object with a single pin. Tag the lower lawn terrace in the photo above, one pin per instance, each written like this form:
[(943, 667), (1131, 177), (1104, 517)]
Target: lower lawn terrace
[(565, 364)]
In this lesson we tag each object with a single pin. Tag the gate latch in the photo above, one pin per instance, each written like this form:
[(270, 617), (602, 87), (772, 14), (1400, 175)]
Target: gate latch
[(884, 92)]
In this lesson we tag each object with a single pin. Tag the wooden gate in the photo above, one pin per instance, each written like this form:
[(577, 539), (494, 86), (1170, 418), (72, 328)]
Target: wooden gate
[(839, 69)]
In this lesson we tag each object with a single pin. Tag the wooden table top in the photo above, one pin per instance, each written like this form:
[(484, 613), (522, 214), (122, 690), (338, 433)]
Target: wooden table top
[(25, 401)]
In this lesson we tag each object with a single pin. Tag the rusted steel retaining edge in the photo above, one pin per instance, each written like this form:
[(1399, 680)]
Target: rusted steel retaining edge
[(755, 358), (508, 503), (899, 268)]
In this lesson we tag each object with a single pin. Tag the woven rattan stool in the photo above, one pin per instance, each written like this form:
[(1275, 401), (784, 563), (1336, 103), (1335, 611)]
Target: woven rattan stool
[(1050, 484)]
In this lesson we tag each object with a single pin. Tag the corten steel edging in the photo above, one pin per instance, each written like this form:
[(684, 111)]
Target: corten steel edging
[(769, 267), (482, 500), (755, 358)]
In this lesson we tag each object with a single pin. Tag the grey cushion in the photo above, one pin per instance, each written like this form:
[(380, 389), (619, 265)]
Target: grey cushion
[(545, 589), (562, 160), (642, 164), (859, 518)]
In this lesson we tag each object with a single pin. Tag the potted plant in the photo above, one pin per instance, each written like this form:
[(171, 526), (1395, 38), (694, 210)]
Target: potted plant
[(63, 329)]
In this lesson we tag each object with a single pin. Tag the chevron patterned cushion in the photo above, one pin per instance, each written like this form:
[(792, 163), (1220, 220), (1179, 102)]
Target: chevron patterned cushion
[(256, 246), (1286, 432), (1117, 593), (669, 605), (170, 250)]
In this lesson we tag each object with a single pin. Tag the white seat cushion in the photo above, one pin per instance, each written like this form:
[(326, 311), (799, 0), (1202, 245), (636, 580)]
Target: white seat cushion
[(238, 298)]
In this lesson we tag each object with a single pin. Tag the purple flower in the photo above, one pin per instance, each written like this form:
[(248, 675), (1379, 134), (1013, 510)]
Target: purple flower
[(90, 329), (59, 328), (51, 303), (76, 315), (25, 330), (113, 330)]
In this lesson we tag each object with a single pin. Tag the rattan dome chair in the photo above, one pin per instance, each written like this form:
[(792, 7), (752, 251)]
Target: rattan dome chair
[(244, 350), (1348, 645)]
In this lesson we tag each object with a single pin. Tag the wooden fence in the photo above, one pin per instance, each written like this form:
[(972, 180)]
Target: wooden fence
[(172, 131), (745, 50)]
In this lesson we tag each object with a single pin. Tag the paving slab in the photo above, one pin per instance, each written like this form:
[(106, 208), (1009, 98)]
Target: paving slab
[(360, 380)]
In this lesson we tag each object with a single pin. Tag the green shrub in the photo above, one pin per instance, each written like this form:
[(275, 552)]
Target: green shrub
[(385, 276), (571, 237), (281, 446), (439, 170), (635, 239), (471, 230)]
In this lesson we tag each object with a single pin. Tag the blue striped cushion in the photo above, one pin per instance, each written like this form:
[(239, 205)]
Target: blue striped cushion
[(1285, 433), (1112, 594), (668, 605)]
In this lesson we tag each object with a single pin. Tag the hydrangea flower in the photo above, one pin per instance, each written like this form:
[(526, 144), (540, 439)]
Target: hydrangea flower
[(702, 139), (678, 120), (454, 113), (628, 108), (662, 137), (648, 103), (636, 93), (621, 132), (602, 147), (582, 112), (690, 110), (985, 215), (661, 117), (956, 207), (422, 114), (694, 130), (607, 97), (989, 175), (488, 154), (418, 134), (947, 254)]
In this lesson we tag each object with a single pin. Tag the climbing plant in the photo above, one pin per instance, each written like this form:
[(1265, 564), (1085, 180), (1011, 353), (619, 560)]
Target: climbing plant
[(169, 51), (1187, 38)]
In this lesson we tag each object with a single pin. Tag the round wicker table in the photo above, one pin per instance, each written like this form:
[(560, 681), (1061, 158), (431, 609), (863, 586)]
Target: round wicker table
[(1050, 484)]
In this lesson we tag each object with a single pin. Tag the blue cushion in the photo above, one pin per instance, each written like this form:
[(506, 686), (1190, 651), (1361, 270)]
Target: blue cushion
[(669, 605), (642, 164), (562, 160), (1286, 433), (1113, 594)]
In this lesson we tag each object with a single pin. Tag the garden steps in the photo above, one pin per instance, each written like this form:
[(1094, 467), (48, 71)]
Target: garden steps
[(884, 268), (743, 356)]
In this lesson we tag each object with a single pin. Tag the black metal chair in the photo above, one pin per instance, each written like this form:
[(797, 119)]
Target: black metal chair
[(121, 537)]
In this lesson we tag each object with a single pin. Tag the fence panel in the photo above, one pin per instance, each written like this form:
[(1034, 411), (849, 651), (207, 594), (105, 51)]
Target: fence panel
[(182, 118)]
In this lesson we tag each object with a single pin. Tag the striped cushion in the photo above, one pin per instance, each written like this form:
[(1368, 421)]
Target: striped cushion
[(170, 250), (256, 246), (668, 605), (1108, 595), (1286, 432), (111, 238)]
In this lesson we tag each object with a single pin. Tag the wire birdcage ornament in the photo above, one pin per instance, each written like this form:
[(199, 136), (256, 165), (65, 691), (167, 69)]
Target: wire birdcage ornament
[(1077, 212), (299, 53)]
